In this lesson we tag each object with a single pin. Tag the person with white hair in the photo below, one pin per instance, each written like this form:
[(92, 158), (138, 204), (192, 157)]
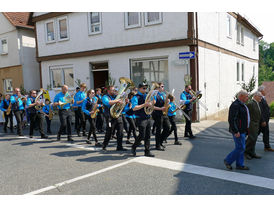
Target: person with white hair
[(239, 120), (264, 124), (255, 118)]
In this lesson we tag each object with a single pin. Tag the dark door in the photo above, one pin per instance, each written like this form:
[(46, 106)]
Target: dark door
[(99, 72)]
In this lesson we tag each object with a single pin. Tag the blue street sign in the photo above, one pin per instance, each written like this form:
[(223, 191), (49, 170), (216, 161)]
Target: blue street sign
[(186, 55)]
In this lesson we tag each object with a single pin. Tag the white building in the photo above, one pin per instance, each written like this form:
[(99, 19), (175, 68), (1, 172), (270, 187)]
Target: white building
[(18, 65), (90, 46)]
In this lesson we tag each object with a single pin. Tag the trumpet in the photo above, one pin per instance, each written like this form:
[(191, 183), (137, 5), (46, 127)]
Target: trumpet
[(117, 108), (150, 98)]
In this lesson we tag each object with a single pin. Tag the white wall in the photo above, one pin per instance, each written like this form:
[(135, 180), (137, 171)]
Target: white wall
[(212, 28), (113, 34), (31, 73), (7, 30), (119, 66)]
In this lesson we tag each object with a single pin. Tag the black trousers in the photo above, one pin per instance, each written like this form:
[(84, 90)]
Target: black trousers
[(265, 131), (111, 125), (36, 118), (125, 122), (92, 129), (188, 131), (162, 128), (99, 121), (132, 127), (80, 119), (173, 127), (76, 120), (19, 115), (48, 124), (8, 118), (65, 120), (144, 126)]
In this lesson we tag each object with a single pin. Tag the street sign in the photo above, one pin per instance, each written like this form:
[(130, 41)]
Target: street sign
[(186, 55)]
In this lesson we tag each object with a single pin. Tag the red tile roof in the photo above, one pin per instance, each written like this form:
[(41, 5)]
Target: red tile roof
[(269, 89), (19, 19)]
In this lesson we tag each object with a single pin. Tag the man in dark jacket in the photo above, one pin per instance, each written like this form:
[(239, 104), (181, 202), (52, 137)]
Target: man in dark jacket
[(264, 125), (239, 120)]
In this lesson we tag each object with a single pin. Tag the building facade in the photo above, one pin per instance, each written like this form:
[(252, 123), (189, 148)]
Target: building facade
[(92, 46), (18, 65)]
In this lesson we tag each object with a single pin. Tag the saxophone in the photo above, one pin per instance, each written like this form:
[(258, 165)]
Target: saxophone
[(95, 110), (166, 105), (8, 109), (50, 113)]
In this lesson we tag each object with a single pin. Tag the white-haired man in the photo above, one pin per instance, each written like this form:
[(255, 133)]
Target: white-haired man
[(264, 125)]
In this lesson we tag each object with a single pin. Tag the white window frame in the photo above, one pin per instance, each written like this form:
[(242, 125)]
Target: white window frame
[(1, 46), (5, 88), (242, 36), (228, 21), (238, 33), (89, 25), (254, 43), (62, 68), (153, 23), (54, 31), (242, 72), (132, 26), (58, 28)]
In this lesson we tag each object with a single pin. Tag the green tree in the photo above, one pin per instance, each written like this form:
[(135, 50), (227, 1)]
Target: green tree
[(266, 62)]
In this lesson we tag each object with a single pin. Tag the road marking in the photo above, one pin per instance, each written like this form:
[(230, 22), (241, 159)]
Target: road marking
[(209, 172), (80, 178), (78, 146), (33, 139)]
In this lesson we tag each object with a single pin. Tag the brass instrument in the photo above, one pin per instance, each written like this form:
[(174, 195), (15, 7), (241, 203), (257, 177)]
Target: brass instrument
[(50, 113), (8, 109), (116, 109), (166, 105), (68, 99), (197, 94), (39, 107), (95, 110), (150, 98)]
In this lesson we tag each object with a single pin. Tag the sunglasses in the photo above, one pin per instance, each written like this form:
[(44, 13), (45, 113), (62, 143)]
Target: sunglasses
[(144, 87), (162, 86)]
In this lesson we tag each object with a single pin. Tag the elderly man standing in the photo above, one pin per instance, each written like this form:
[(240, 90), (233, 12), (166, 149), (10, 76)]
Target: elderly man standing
[(238, 125), (264, 125), (255, 119)]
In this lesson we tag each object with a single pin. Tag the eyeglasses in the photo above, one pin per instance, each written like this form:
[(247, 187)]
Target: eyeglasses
[(144, 87)]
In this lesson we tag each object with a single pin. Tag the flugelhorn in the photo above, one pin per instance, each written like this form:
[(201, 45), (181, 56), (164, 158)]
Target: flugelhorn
[(125, 84)]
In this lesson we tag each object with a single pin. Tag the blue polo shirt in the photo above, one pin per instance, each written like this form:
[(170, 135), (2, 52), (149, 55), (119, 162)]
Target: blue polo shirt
[(2, 105), (171, 109), (186, 97), (79, 96), (60, 97), (105, 100), (13, 100), (46, 108)]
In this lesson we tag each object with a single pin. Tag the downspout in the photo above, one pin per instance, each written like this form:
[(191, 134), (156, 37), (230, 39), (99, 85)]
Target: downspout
[(197, 61)]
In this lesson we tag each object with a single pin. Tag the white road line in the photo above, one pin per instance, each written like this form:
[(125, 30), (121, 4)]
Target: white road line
[(79, 178), (83, 147), (33, 139), (209, 172)]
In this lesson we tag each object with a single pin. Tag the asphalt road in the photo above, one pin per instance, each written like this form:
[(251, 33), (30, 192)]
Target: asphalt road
[(35, 166)]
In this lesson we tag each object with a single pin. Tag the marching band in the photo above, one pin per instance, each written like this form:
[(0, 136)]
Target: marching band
[(129, 108)]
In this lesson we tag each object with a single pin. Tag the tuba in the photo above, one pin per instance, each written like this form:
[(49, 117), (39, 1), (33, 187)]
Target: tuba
[(197, 94), (125, 84), (95, 110), (39, 107), (68, 99), (150, 98)]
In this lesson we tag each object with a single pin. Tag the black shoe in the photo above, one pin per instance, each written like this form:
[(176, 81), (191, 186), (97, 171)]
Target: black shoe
[(149, 154), (192, 136), (228, 166), (186, 135), (121, 149), (165, 141), (160, 148), (128, 142), (88, 141), (30, 136), (162, 145), (247, 156), (44, 137), (70, 139), (78, 134), (242, 168), (177, 143), (98, 144), (256, 156), (84, 134), (104, 148), (21, 135), (139, 144), (133, 151), (58, 137)]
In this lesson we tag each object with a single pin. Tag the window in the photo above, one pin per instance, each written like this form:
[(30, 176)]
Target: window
[(243, 72), (254, 43), (8, 85), (153, 18), (238, 71), (4, 46), (238, 33), (242, 36), (62, 75), (254, 71), (62, 28), (132, 20), (150, 70), (50, 36), (95, 23), (228, 24)]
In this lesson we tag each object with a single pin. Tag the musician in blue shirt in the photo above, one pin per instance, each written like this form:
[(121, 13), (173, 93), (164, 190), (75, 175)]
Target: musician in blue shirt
[(130, 117), (46, 110), (171, 116), (100, 116), (65, 115), (79, 97), (17, 102), (75, 108), (112, 123), (8, 117), (187, 99), (88, 107)]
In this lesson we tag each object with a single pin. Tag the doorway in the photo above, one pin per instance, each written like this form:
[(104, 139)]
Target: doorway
[(99, 74)]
